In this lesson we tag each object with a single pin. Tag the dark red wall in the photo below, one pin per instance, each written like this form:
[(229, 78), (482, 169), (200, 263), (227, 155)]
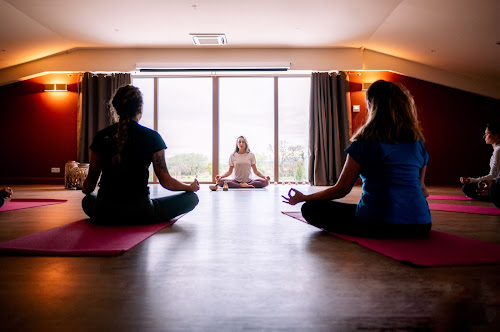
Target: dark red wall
[(453, 123), (38, 130)]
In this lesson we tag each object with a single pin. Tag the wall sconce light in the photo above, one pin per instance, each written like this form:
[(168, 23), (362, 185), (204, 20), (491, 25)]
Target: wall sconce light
[(56, 87), (365, 86)]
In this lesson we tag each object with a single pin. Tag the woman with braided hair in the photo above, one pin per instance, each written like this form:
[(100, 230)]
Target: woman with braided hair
[(120, 156)]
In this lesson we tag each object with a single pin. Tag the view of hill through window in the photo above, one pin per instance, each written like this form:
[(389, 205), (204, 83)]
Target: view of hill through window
[(246, 107)]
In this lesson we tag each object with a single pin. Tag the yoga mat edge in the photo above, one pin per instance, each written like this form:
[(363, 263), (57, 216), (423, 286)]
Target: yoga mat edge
[(438, 249), (81, 238)]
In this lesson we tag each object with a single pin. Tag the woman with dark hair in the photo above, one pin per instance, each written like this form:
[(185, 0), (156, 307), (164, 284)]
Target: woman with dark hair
[(242, 162), (388, 153), (471, 185), (120, 156), (5, 193)]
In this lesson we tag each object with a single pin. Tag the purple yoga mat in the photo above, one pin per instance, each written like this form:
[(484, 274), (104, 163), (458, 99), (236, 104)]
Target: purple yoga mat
[(438, 249), (81, 238), (452, 198), (18, 204), (489, 210)]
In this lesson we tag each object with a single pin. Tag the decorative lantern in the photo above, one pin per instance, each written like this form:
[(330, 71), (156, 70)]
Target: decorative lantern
[(69, 165), (77, 175)]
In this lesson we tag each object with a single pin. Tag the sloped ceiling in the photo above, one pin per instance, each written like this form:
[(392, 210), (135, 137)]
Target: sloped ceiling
[(458, 36)]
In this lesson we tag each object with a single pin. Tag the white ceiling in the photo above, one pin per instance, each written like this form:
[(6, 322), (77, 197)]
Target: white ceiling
[(459, 36)]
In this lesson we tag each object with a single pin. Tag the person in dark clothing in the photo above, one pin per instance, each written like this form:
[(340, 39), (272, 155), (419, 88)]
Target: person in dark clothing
[(120, 157), (5, 193)]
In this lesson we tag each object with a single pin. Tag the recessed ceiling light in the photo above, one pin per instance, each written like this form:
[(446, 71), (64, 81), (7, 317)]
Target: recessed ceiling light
[(209, 38)]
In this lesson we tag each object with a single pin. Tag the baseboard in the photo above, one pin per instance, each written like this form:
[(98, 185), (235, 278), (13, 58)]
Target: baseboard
[(31, 180), (443, 182)]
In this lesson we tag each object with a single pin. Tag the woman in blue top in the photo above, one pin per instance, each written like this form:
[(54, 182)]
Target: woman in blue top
[(389, 154)]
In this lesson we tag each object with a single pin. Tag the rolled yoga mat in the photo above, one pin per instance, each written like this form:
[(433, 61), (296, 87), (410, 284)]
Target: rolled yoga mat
[(438, 249), (18, 204), (82, 238)]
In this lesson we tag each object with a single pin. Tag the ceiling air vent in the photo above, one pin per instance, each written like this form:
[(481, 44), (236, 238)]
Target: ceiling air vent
[(209, 38)]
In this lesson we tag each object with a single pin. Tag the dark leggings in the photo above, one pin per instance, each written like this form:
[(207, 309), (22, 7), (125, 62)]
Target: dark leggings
[(141, 211), (494, 194), (337, 217), (2, 200), (470, 190)]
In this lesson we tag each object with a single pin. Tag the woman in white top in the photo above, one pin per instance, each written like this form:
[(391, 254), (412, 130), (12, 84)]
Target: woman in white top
[(242, 162), (470, 185)]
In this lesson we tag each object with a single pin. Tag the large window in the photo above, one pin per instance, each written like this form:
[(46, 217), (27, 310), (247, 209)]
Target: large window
[(246, 108), (185, 123), (147, 87), (265, 110), (293, 94)]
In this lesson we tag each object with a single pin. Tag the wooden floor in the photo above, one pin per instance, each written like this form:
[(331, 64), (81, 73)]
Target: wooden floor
[(235, 264)]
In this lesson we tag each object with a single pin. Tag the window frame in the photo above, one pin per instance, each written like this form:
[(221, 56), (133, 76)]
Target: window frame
[(215, 109)]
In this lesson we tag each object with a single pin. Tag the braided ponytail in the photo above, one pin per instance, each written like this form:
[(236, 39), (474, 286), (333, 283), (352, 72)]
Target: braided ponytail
[(126, 103)]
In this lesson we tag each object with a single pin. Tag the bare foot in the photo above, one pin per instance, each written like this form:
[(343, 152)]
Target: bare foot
[(246, 185)]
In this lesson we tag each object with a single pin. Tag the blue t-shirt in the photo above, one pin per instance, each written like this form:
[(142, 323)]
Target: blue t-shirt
[(391, 181)]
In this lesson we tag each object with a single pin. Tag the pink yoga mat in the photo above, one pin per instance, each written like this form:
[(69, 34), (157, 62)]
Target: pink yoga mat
[(490, 210), (82, 238), (438, 249), (452, 198), (18, 204)]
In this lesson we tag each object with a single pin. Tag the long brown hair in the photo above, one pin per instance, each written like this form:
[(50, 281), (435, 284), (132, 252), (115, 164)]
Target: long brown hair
[(392, 115), (126, 103), (237, 149)]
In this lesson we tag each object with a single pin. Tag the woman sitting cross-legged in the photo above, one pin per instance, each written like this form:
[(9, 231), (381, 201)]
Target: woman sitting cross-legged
[(242, 162), (5, 193), (120, 156), (470, 185), (389, 154)]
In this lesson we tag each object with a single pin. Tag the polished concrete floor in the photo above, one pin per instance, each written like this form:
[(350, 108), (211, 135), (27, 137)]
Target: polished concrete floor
[(237, 264)]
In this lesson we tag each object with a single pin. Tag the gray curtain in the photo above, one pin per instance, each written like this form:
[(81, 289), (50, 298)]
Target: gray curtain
[(328, 127), (96, 92)]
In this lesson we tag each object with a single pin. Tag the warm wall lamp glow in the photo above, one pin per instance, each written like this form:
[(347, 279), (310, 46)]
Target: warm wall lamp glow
[(365, 86), (56, 87)]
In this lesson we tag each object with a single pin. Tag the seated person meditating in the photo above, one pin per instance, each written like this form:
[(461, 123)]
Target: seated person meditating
[(470, 185), (389, 154), (120, 157), (5, 193), (242, 161)]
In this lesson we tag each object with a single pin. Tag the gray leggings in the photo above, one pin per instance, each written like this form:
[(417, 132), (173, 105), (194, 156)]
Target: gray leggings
[(141, 211)]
